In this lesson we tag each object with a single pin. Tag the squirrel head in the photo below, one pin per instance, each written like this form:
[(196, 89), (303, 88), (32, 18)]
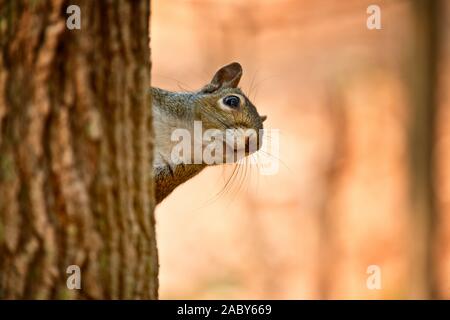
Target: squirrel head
[(223, 111), (222, 105)]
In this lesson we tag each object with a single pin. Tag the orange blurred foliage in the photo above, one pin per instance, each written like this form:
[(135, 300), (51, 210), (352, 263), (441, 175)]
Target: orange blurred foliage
[(339, 202)]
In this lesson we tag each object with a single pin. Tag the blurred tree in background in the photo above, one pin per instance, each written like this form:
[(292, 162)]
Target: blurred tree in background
[(75, 128), (423, 75)]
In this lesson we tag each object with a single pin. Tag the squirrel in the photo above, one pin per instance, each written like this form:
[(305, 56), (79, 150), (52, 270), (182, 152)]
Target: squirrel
[(219, 105)]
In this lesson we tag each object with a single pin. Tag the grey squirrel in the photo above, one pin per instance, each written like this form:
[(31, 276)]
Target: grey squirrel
[(218, 105)]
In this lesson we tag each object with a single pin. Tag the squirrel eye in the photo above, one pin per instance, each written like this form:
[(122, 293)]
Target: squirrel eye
[(231, 101)]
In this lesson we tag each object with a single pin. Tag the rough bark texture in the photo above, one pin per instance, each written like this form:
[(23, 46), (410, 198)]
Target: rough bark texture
[(76, 151)]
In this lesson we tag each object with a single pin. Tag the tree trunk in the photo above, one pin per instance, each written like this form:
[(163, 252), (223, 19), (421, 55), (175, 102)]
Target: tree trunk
[(76, 151), (423, 76)]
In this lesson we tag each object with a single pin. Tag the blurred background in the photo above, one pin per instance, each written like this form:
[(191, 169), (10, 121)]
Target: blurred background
[(359, 182)]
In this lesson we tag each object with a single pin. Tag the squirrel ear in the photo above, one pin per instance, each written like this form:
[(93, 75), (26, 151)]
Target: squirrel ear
[(226, 77)]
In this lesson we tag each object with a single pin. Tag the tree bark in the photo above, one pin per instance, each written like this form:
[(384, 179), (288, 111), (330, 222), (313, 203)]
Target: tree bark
[(76, 151)]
